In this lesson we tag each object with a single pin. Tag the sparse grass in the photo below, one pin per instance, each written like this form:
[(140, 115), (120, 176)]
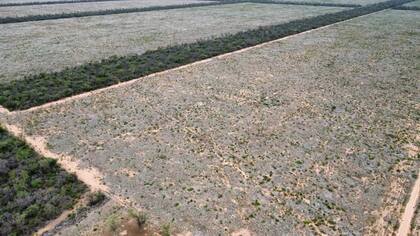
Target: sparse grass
[(166, 230), (140, 218), (112, 222), (95, 198)]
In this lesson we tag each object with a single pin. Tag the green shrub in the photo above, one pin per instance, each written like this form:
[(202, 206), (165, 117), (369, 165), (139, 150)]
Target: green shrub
[(31, 194)]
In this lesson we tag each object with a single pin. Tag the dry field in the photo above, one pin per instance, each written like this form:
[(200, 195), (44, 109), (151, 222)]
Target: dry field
[(307, 135), (316, 133), (28, 1), (34, 47), (89, 6)]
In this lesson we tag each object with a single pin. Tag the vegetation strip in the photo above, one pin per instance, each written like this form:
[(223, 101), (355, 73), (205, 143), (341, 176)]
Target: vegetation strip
[(39, 89), (410, 8), (33, 189), (9, 20), (316, 4), (18, 4)]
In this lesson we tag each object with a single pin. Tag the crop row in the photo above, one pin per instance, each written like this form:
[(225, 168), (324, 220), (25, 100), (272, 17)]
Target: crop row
[(8, 20), (15, 4), (33, 189), (38, 89)]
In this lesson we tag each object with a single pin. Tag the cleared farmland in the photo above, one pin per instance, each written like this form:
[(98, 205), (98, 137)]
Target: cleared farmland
[(19, 11), (35, 47), (302, 135)]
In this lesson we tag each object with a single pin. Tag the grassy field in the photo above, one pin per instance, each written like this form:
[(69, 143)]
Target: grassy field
[(302, 135), (91, 6), (34, 47)]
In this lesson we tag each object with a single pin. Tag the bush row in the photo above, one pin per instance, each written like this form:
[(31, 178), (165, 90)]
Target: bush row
[(33, 189), (9, 20), (46, 87), (16, 4), (320, 4), (411, 8)]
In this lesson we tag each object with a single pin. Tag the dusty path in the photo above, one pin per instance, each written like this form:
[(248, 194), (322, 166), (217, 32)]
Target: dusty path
[(407, 217)]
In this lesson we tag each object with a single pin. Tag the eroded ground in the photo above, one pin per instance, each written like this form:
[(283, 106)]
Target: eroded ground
[(34, 47), (309, 134)]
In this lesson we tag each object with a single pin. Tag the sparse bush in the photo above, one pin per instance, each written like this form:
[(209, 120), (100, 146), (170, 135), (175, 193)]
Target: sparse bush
[(138, 216), (112, 223), (95, 198), (166, 230)]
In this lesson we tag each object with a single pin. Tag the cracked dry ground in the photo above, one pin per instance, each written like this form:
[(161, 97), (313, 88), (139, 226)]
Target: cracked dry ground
[(314, 133)]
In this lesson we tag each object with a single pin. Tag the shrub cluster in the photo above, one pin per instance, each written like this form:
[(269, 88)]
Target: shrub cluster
[(20, 19), (33, 189), (17, 4), (46, 87)]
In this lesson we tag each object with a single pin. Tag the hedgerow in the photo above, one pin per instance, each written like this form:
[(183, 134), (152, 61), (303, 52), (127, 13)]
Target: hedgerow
[(46, 87), (9, 20), (33, 189), (16, 4), (320, 4), (410, 8)]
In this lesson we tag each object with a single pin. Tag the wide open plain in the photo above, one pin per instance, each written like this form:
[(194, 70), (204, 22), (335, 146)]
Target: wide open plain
[(312, 134)]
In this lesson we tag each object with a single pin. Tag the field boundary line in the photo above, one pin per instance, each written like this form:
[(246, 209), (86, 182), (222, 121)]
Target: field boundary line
[(410, 207), (129, 82)]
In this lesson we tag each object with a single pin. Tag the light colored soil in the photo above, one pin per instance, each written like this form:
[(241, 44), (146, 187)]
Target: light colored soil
[(35, 47), (409, 213), (91, 6), (301, 136)]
